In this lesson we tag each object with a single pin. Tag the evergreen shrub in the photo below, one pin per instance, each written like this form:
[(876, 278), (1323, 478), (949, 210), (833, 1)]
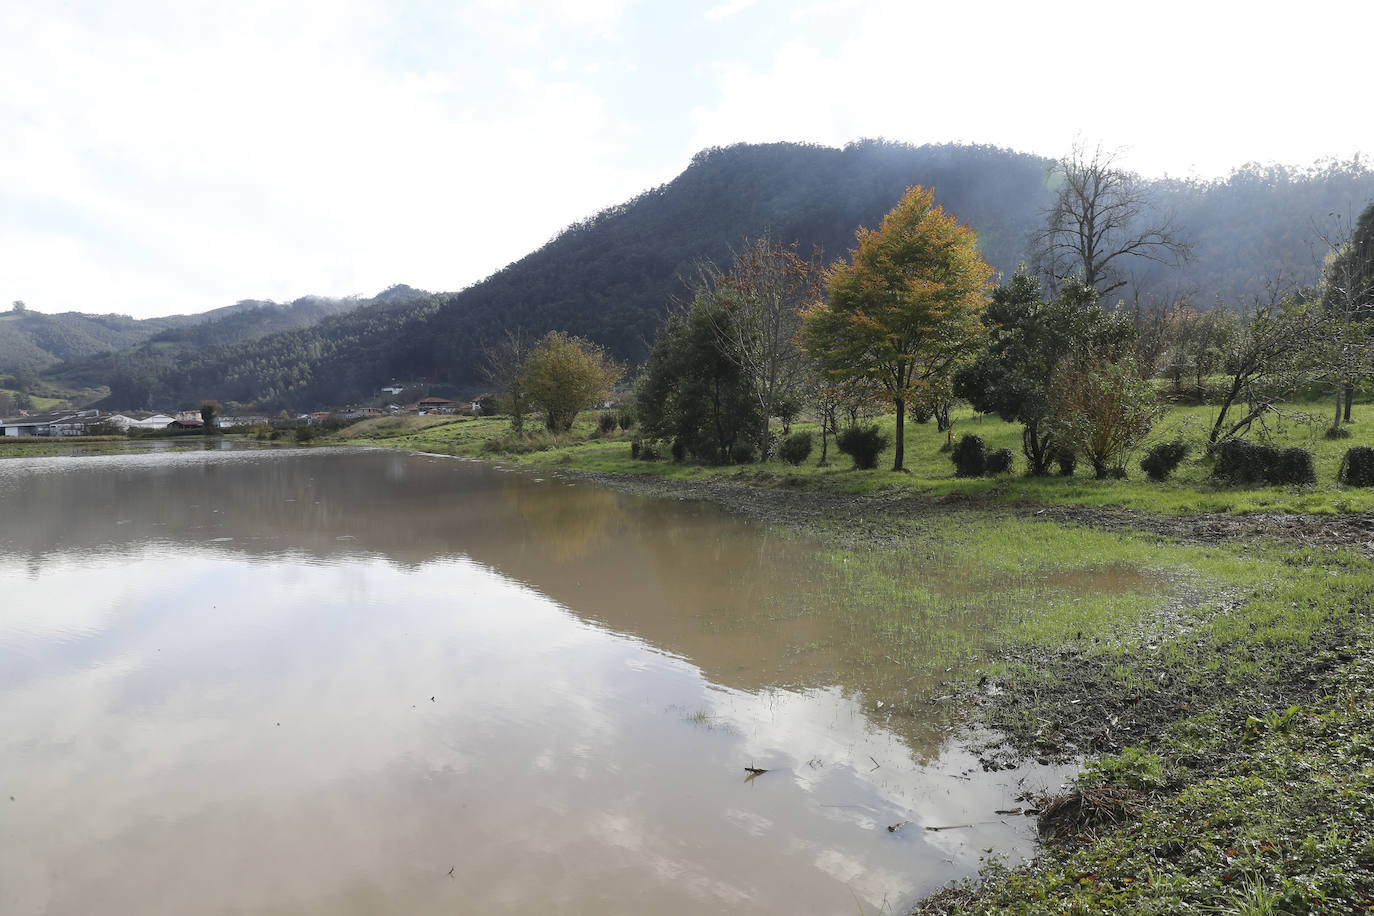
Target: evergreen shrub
[(997, 461), (1241, 462), (1163, 459), (863, 444), (743, 453), (969, 457), (796, 448), (1295, 466), (1357, 467), (1066, 459)]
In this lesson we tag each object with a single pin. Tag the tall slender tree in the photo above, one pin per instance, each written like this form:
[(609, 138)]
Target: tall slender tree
[(904, 312)]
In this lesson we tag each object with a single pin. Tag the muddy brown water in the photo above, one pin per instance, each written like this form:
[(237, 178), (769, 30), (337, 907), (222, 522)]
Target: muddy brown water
[(363, 681)]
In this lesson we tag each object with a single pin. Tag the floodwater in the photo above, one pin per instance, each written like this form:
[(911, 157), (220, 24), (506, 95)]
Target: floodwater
[(337, 682)]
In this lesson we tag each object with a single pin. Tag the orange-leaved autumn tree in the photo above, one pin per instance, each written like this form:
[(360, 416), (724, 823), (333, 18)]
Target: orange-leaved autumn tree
[(905, 311)]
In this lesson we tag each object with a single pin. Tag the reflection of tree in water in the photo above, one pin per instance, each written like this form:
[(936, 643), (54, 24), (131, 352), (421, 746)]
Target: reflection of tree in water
[(754, 610), (570, 522)]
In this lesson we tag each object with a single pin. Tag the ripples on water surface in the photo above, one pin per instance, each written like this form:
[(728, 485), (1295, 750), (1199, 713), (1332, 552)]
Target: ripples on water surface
[(364, 682)]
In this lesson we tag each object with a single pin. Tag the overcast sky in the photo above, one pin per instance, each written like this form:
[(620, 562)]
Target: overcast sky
[(164, 156)]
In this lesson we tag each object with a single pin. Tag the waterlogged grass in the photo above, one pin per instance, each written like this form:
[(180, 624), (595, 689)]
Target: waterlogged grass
[(930, 472), (1262, 717), (1273, 813)]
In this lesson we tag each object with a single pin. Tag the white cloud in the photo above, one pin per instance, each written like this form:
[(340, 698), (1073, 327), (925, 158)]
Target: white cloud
[(277, 158), (1184, 88), (174, 156), (728, 9)]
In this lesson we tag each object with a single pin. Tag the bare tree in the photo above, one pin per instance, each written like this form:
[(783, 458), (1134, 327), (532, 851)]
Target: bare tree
[(1101, 219), (1269, 355), (767, 286), (503, 366)]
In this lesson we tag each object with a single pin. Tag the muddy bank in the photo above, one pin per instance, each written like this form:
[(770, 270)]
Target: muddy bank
[(878, 519)]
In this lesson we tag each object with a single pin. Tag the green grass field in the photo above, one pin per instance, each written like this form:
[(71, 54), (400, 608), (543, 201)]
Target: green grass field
[(929, 470)]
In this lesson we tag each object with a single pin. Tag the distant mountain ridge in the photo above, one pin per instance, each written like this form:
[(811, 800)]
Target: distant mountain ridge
[(613, 276), (40, 341)]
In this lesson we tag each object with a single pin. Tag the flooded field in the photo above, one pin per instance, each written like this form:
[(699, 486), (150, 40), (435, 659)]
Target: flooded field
[(361, 682)]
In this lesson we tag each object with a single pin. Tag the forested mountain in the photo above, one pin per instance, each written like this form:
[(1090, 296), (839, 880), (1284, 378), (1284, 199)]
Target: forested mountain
[(34, 341), (185, 339), (1260, 225), (351, 351), (613, 276)]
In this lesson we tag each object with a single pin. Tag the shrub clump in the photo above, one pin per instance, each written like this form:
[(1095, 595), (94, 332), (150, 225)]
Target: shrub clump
[(605, 424), (1162, 459), (863, 444), (1241, 462), (997, 461), (796, 448), (968, 456), (1357, 467), (972, 459), (743, 453), (1066, 459)]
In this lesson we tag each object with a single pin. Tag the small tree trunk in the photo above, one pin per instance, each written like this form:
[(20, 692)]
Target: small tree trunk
[(1349, 399), (1035, 450), (900, 404)]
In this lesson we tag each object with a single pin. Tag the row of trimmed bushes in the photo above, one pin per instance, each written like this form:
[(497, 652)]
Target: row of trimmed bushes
[(1237, 460), (1244, 462)]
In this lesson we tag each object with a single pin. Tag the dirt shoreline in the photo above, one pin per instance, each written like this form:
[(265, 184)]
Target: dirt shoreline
[(861, 519)]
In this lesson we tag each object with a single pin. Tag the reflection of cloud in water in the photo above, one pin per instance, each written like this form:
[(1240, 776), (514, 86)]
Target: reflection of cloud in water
[(855, 773), (558, 765)]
